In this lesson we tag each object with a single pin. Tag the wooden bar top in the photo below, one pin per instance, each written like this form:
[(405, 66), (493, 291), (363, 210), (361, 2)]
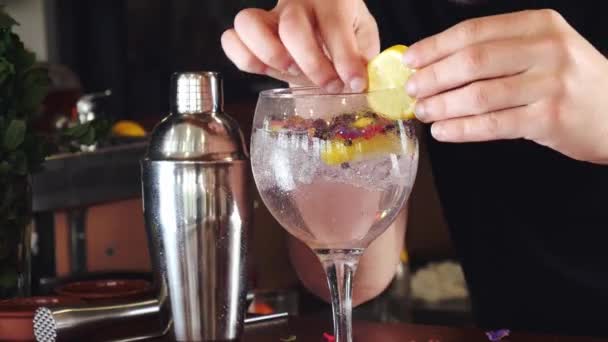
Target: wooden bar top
[(311, 330)]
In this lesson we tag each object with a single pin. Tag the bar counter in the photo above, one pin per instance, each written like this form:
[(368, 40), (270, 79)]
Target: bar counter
[(312, 330)]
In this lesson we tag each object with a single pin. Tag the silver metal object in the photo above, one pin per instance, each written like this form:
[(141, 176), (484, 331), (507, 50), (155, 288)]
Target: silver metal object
[(197, 210), (110, 322), (87, 105), (266, 318), (194, 93), (134, 321)]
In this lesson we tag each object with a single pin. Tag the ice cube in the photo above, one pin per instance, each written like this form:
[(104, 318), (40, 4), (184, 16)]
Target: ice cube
[(281, 168)]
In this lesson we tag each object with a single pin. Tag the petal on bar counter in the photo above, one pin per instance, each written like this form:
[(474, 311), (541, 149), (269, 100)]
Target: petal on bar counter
[(329, 337), (498, 335)]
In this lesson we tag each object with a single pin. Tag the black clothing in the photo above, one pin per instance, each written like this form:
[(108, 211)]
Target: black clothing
[(530, 225)]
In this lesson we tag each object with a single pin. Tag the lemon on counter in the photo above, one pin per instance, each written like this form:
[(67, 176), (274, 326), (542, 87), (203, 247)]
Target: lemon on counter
[(387, 72), (127, 128)]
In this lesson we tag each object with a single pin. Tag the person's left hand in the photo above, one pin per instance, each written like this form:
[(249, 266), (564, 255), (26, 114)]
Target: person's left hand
[(519, 75)]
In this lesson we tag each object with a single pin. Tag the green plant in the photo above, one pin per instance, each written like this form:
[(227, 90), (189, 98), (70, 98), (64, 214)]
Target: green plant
[(23, 87)]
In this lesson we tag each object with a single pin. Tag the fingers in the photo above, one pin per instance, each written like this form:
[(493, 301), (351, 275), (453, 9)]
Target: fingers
[(475, 31), (240, 54), (257, 29), (368, 36), (483, 97), (336, 28), (498, 125), (476, 62), (246, 61), (297, 33), (322, 43)]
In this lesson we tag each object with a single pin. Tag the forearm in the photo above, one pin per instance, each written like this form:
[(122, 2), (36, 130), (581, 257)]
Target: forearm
[(376, 267)]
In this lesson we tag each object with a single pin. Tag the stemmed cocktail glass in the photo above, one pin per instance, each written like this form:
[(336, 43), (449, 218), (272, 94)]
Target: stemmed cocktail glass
[(335, 174)]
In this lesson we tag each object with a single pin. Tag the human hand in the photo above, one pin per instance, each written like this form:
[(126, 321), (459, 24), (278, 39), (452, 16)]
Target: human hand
[(519, 75), (306, 42)]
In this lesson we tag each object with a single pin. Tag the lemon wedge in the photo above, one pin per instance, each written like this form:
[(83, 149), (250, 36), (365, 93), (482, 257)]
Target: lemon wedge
[(386, 88), (127, 128), (335, 152)]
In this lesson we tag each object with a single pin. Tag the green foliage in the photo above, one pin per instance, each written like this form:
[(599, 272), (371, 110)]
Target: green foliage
[(23, 87), (87, 133)]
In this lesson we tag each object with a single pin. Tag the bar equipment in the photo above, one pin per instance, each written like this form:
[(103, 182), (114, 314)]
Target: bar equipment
[(197, 210), (123, 321)]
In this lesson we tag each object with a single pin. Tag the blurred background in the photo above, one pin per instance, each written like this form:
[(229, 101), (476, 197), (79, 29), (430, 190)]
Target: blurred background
[(88, 209)]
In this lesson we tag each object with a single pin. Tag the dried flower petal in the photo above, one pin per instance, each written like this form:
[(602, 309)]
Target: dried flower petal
[(498, 335), (329, 337)]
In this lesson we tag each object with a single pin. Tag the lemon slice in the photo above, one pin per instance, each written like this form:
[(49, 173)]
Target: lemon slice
[(335, 152), (127, 128), (386, 88)]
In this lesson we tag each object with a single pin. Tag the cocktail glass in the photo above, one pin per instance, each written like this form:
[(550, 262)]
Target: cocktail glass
[(335, 174)]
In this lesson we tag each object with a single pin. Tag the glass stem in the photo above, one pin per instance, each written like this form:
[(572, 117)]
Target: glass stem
[(340, 267)]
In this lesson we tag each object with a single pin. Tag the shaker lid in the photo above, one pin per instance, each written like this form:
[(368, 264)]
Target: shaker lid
[(197, 129)]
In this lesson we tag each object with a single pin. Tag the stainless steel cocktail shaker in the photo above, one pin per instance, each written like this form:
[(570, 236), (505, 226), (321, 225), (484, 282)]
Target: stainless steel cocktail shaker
[(197, 210)]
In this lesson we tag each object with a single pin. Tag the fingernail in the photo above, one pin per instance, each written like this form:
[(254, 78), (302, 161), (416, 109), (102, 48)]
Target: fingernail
[(409, 59), (334, 86), (438, 132), (411, 88), (294, 70), (420, 111), (357, 84)]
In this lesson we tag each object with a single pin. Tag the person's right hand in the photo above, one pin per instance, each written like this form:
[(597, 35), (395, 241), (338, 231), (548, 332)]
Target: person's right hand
[(322, 42)]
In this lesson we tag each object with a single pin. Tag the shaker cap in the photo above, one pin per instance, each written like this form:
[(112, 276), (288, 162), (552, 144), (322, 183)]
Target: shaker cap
[(197, 129)]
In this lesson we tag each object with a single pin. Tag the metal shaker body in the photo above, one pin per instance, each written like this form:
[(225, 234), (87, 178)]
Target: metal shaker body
[(197, 210)]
